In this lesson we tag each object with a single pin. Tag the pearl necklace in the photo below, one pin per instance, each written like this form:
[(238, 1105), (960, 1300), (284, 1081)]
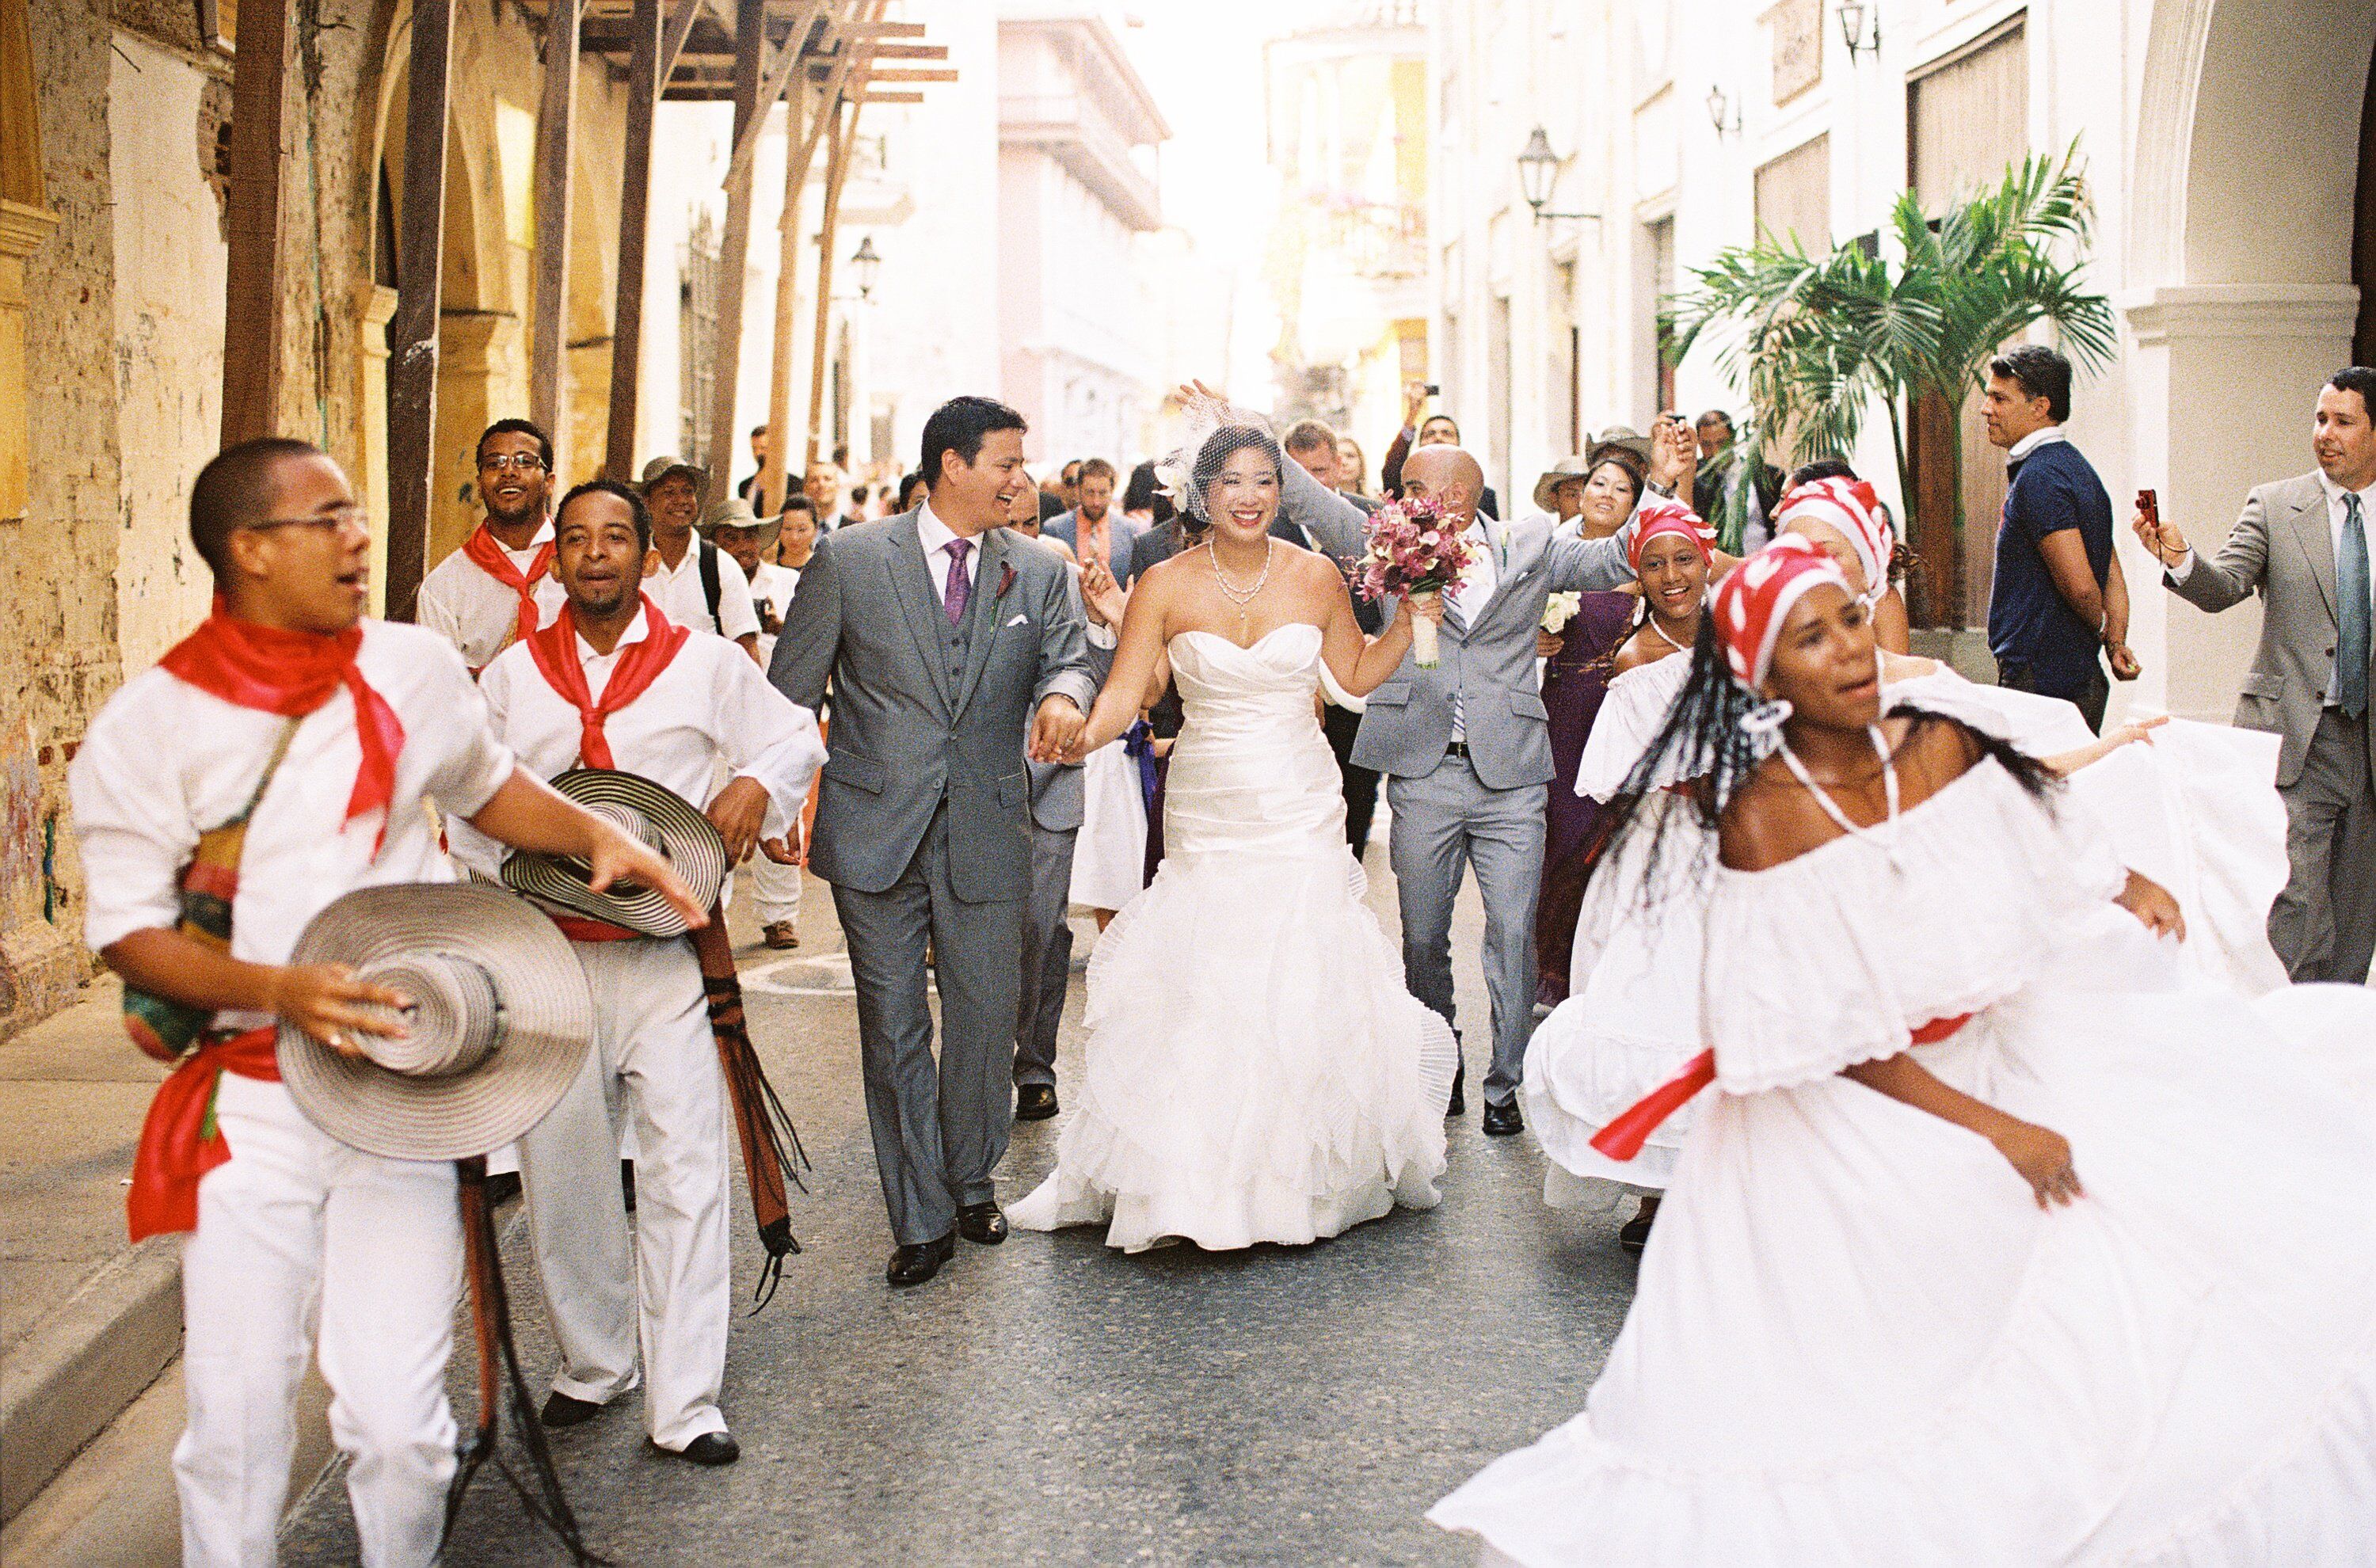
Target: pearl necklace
[(1242, 598), (1679, 647)]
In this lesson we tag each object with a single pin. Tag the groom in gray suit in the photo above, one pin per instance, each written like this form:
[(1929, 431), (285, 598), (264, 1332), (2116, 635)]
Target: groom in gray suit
[(2301, 546), (1466, 749), (946, 639)]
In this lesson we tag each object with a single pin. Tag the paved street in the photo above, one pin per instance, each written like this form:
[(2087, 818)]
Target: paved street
[(1050, 1402)]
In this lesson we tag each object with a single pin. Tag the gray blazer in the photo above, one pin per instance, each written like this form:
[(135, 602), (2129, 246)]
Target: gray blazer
[(1121, 533), (2283, 549), (904, 736), (1491, 665)]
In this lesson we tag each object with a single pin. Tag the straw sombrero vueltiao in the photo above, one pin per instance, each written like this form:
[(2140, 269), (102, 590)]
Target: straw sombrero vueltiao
[(498, 1026), (662, 818)]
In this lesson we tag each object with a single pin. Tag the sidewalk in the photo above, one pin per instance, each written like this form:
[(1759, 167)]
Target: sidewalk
[(87, 1322)]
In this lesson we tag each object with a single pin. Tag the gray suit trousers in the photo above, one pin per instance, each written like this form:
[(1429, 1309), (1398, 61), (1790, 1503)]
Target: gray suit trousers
[(2324, 924), (940, 1129), (1443, 824), (1047, 953)]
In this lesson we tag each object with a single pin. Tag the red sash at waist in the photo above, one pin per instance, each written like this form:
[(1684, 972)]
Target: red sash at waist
[(1624, 1136), (578, 927), (180, 1142)]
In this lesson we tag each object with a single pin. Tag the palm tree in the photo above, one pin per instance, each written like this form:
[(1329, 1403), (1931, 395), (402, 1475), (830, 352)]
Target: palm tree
[(1818, 339)]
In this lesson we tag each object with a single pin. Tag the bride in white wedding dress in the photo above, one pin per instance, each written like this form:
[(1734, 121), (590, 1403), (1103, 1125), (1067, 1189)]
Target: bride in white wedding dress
[(1254, 1069)]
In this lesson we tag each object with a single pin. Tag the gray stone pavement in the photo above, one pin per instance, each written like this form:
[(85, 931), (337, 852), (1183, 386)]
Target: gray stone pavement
[(1050, 1402)]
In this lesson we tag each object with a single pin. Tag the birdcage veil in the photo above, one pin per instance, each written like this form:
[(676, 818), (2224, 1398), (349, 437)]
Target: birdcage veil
[(1212, 431)]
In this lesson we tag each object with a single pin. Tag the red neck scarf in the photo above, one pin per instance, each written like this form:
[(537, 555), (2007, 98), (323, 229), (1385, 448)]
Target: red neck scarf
[(555, 648), (486, 551), (291, 674)]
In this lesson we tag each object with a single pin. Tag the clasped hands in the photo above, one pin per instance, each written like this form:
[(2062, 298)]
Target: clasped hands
[(1056, 731)]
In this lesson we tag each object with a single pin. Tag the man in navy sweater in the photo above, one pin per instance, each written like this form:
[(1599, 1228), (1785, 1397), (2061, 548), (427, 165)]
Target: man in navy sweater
[(2059, 595)]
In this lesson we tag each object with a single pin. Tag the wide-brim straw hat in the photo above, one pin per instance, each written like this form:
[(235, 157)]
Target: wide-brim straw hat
[(662, 818), (498, 1027), (659, 469), (735, 513), (1567, 467)]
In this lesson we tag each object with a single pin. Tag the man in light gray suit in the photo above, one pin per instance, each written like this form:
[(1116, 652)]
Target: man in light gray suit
[(1094, 527), (2301, 545), (1058, 804), (945, 639), (1466, 749)]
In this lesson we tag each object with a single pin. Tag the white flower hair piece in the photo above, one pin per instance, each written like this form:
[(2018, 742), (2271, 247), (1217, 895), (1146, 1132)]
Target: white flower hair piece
[(1203, 418)]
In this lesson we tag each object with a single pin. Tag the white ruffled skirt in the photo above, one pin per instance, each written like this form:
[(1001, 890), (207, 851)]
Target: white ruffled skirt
[(1857, 1340)]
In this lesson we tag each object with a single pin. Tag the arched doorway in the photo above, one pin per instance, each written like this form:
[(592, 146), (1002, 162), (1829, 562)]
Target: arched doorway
[(2245, 206)]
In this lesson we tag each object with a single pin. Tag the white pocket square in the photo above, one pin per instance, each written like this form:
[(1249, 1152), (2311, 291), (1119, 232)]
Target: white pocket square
[(1019, 620)]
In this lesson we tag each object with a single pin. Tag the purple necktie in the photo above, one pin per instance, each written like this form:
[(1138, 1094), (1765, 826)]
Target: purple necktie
[(960, 592)]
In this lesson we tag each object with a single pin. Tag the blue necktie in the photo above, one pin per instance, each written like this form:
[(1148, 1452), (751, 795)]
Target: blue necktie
[(2351, 588)]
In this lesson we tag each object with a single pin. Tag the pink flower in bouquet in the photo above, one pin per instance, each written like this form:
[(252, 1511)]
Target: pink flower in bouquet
[(1410, 551)]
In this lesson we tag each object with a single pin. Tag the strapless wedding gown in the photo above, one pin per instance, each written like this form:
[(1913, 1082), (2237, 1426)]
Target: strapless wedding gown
[(1254, 1069)]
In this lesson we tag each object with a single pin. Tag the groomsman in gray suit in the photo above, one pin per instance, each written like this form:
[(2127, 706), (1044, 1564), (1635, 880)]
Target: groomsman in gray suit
[(2301, 545), (945, 638), (1466, 749), (1093, 529)]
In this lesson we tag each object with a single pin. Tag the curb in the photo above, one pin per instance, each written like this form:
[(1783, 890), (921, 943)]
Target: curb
[(84, 1362)]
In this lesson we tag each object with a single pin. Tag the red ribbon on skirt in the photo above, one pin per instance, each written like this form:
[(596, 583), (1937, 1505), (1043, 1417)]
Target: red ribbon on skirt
[(1626, 1134), (180, 1142)]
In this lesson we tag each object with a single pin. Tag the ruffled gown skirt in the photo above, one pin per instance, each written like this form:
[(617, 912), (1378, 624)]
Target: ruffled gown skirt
[(1254, 1069), (1858, 1339)]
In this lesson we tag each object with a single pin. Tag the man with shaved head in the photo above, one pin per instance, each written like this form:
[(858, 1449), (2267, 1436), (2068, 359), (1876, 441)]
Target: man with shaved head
[(1466, 749)]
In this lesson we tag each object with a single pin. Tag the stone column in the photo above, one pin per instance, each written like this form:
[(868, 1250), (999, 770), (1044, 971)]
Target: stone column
[(374, 307), (477, 383)]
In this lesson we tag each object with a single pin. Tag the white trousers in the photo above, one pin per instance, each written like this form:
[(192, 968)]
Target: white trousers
[(778, 890), (300, 1231), (667, 1288)]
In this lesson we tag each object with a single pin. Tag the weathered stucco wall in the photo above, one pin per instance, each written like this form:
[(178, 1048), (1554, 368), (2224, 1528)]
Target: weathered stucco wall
[(169, 350)]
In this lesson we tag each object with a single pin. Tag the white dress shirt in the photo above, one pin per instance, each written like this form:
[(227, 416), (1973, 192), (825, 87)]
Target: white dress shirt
[(772, 586), (1469, 596), (2334, 513), (679, 594), (709, 707), (936, 537), (477, 614), (164, 761)]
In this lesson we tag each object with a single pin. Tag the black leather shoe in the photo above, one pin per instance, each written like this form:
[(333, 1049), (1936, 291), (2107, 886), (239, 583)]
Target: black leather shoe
[(709, 1448), (1504, 1121), (566, 1410), (913, 1265), (1035, 1102), (984, 1224), (1458, 1105)]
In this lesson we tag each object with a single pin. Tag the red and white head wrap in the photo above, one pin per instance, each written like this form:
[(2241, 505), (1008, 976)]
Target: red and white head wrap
[(1849, 505), (1755, 599), (1663, 516)]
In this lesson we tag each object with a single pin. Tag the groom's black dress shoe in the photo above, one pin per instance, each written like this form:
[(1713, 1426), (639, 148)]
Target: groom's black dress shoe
[(1502, 1121), (984, 1224), (913, 1265), (1459, 1103), (1035, 1102)]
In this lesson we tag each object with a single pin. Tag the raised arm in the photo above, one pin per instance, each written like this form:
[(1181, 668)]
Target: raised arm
[(1334, 523), (1585, 566), (2220, 581), (811, 635), (1358, 663)]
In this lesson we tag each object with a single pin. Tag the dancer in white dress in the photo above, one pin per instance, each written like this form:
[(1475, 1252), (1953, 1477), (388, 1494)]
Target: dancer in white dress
[(1968, 1261), (1254, 1069)]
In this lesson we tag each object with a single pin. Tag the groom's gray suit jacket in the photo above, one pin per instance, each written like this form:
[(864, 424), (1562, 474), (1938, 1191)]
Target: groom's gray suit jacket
[(1490, 665), (923, 712)]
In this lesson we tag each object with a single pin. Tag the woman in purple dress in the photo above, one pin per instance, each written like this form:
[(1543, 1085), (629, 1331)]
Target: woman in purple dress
[(1594, 503)]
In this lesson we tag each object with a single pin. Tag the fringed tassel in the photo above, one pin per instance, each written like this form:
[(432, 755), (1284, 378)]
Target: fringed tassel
[(490, 1321), (771, 1145)]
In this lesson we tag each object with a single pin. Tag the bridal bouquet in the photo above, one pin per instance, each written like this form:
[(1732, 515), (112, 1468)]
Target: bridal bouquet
[(1411, 550), (1559, 609)]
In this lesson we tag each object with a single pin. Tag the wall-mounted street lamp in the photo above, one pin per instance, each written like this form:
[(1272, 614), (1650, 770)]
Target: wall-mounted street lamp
[(1724, 112), (1538, 172), (1855, 16), (865, 265)]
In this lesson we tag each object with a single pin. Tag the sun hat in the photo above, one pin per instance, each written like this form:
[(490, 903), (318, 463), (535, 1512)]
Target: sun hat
[(497, 1029), (1567, 467), (660, 818), (735, 513), (659, 469)]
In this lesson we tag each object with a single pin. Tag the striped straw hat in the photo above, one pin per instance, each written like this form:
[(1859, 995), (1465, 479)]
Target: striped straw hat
[(498, 1025), (662, 818)]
